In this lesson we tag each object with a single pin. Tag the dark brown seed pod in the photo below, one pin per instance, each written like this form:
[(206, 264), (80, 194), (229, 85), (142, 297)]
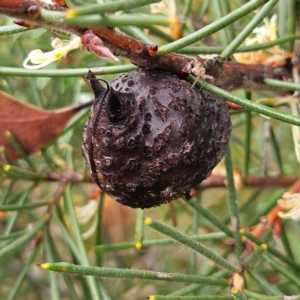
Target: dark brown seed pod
[(151, 137)]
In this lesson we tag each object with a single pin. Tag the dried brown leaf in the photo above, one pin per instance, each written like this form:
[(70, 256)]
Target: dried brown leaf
[(32, 126)]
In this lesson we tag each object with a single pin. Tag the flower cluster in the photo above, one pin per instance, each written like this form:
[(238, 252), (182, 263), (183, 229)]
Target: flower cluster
[(273, 56), (290, 202), (168, 8), (87, 214), (40, 59)]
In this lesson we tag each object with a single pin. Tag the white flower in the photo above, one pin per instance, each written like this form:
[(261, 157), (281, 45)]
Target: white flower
[(265, 33), (166, 7), (48, 1), (40, 59), (88, 214), (273, 56), (291, 202)]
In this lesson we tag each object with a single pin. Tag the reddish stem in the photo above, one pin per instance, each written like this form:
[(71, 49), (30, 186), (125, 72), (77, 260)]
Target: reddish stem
[(228, 75)]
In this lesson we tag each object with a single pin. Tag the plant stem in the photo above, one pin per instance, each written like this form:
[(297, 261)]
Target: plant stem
[(160, 33), (69, 283), (271, 250), (109, 7), (19, 149), (100, 229), (265, 285), (230, 28), (280, 269), (137, 33), (238, 295), (12, 29), (214, 297), (8, 71), (156, 242), (12, 235), (286, 242), (120, 20), (191, 243), (289, 86), (212, 28), (277, 151), (16, 244), (68, 239), (214, 220), (259, 108), (130, 273), (80, 244), (257, 296), (219, 14), (254, 256), (187, 10), (203, 9), (241, 49), (139, 229), (16, 287), (235, 220), (247, 142), (20, 199), (6, 193), (282, 17), (293, 21), (269, 203), (24, 206), (195, 224), (194, 287), (249, 28), (15, 172), (52, 278)]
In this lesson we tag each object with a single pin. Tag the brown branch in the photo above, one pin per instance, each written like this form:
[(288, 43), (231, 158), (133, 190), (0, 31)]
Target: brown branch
[(251, 181), (229, 75), (210, 182), (63, 183), (296, 51)]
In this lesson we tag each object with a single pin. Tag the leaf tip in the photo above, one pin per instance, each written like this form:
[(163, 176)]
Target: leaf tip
[(138, 245), (7, 133), (44, 266), (6, 168), (264, 246), (71, 13), (148, 221)]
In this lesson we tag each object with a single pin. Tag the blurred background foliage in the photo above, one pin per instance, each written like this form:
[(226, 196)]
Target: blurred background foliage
[(270, 153)]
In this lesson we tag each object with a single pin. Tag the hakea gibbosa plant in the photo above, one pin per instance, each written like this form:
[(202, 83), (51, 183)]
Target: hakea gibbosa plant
[(201, 63)]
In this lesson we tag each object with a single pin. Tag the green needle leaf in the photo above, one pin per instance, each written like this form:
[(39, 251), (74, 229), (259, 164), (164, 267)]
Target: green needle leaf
[(130, 273), (109, 7), (16, 244), (259, 108), (191, 243)]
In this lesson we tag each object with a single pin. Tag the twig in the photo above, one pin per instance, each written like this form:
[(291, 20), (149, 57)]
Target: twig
[(296, 51), (251, 181), (58, 193), (229, 75)]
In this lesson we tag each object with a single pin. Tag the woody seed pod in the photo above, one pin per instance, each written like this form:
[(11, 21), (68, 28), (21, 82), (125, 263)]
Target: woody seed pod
[(151, 137)]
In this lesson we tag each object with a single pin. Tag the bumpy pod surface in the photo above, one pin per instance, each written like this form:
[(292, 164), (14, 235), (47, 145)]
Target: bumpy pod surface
[(151, 137)]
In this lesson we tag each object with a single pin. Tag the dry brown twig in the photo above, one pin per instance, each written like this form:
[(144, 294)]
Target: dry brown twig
[(228, 75)]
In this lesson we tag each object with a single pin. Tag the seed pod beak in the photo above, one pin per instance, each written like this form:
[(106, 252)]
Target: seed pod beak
[(98, 89)]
